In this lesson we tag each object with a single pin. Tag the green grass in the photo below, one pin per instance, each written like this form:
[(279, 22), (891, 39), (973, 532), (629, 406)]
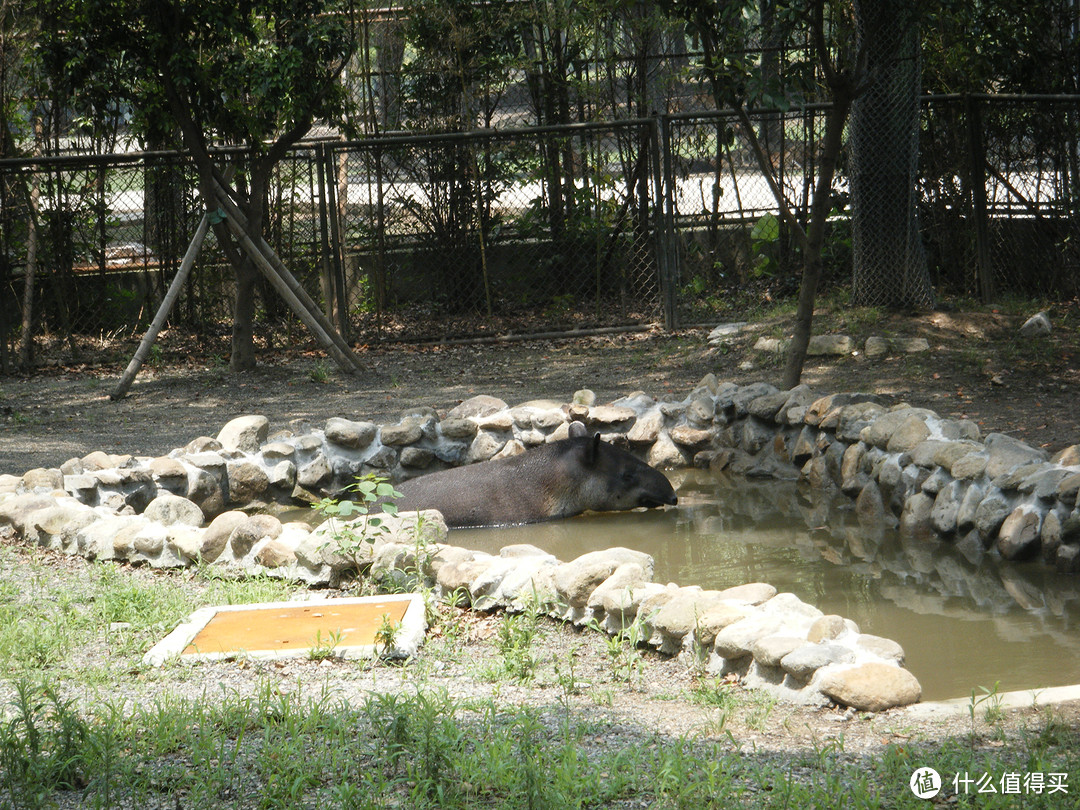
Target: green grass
[(425, 749)]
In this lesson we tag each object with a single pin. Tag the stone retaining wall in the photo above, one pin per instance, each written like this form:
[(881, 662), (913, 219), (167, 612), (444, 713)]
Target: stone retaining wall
[(902, 465)]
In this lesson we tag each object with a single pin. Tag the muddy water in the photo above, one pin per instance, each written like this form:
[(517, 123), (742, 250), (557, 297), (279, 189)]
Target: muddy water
[(965, 624)]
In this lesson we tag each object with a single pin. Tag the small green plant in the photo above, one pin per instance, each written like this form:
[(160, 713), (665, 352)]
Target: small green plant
[(353, 536), (387, 634), (624, 654), (323, 647), (514, 642), (320, 372), (991, 703)]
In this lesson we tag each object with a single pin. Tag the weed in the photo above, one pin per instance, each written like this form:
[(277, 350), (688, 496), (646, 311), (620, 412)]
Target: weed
[(387, 634), (320, 372), (323, 647)]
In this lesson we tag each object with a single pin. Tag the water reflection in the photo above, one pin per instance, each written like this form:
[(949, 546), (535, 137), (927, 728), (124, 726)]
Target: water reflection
[(963, 623)]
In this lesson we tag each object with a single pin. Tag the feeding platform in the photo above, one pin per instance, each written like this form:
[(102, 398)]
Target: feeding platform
[(357, 627)]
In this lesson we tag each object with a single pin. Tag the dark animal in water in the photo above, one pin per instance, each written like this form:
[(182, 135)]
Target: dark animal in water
[(557, 480)]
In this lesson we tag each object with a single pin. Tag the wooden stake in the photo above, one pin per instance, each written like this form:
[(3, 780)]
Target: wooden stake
[(128, 377)]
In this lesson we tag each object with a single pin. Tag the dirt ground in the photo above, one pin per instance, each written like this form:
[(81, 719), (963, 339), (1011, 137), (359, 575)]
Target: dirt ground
[(977, 367)]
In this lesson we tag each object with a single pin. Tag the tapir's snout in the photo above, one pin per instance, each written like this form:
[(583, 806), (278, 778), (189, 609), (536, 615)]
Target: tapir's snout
[(658, 497)]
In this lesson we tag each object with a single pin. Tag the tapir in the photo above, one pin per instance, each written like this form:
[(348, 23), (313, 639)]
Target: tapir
[(556, 480)]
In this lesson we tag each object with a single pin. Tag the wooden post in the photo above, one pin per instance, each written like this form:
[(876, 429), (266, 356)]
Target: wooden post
[(167, 304), (287, 286)]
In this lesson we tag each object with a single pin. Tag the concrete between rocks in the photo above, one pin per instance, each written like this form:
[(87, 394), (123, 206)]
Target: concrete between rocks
[(209, 502)]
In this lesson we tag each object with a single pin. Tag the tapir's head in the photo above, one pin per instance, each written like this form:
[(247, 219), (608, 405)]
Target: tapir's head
[(603, 478)]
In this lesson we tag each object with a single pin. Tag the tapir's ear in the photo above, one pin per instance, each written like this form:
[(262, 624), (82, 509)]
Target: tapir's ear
[(578, 429), (593, 450)]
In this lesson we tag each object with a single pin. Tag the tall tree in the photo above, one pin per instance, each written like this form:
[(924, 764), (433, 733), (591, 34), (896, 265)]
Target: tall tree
[(889, 260), (736, 83), (254, 74)]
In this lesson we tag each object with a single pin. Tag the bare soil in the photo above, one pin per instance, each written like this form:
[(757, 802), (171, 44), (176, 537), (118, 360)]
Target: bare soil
[(977, 368)]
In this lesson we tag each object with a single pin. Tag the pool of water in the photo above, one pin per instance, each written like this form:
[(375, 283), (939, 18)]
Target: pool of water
[(964, 624)]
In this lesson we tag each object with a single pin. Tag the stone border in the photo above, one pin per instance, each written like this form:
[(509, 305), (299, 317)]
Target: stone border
[(902, 465)]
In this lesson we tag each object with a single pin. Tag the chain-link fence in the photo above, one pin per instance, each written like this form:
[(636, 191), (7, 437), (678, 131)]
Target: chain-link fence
[(668, 219), (517, 231), (999, 182)]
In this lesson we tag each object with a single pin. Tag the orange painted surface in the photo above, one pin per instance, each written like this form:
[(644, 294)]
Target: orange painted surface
[(261, 629)]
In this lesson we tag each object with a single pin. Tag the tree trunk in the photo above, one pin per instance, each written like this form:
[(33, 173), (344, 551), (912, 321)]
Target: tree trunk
[(815, 234), (889, 260)]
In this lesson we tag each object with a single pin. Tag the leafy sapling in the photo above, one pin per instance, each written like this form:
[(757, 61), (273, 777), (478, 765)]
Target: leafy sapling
[(352, 534)]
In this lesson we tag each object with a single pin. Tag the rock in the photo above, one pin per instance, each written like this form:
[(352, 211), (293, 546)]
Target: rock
[(625, 579), (802, 662), (690, 437), (1036, 326), (1018, 537), (737, 639), (724, 333), (576, 580), (458, 428), (408, 431), (216, 536), (970, 466), (484, 447), (247, 483), (826, 628), (752, 593), (1006, 454), (715, 619), (171, 509), (770, 650), (839, 345), (43, 480), (876, 346), (646, 429), (205, 491), (251, 531), (990, 514), (349, 434), (275, 555), (315, 473), (681, 615), (476, 407), (881, 647), (244, 433), (871, 687), (665, 454)]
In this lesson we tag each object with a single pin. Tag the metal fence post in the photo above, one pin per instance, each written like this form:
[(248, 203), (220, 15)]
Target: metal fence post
[(977, 183), (666, 255)]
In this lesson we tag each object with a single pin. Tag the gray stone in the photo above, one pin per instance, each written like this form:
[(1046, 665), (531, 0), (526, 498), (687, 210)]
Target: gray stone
[(1038, 325), (476, 407), (458, 428), (1018, 537), (746, 394), (278, 451), (871, 687), (970, 466), (838, 345), (647, 428), (244, 537), (802, 662), (408, 431), (205, 491), (752, 593), (349, 434), (990, 514), (947, 508), (908, 434), (244, 433), (1007, 453), (915, 519), (770, 650), (172, 509), (737, 639), (689, 437), (881, 647), (876, 346), (576, 580), (484, 446), (315, 473), (248, 482), (826, 628), (855, 417)]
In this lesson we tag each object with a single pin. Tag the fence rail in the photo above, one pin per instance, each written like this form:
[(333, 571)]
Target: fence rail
[(542, 229)]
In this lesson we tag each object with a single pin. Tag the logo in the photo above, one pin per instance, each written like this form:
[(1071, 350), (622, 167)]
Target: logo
[(925, 783)]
